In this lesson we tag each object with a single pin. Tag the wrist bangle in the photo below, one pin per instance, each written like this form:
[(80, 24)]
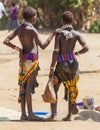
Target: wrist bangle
[(13, 47), (50, 37), (51, 68), (16, 48)]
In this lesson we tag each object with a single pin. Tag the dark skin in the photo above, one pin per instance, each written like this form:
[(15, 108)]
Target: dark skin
[(63, 46), (29, 40)]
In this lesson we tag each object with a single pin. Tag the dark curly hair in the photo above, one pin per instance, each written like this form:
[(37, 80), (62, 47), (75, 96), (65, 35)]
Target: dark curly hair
[(67, 17), (29, 13)]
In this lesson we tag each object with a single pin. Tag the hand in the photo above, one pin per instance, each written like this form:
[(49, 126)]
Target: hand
[(77, 53), (58, 30)]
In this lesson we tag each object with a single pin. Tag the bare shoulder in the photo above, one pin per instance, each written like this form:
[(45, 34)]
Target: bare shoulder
[(76, 32), (17, 30), (32, 30)]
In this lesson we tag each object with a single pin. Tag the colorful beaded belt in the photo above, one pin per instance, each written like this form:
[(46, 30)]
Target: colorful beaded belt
[(30, 56), (66, 57)]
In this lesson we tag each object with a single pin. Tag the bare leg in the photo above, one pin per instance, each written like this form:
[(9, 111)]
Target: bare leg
[(68, 117), (28, 96), (53, 106), (23, 111), (72, 109)]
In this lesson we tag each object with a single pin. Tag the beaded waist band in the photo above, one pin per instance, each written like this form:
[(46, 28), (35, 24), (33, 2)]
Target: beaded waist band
[(30, 56), (66, 57)]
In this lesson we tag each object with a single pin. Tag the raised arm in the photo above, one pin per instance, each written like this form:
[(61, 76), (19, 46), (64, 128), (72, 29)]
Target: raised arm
[(40, 43)]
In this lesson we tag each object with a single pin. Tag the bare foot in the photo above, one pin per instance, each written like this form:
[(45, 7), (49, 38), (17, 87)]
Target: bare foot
[(51, 118), (34, 118), (74, 109), (67, 118), (24, 117)]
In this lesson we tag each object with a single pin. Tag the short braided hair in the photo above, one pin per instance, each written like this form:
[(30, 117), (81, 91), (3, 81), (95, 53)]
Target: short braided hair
[(68, 17), (29, 13)]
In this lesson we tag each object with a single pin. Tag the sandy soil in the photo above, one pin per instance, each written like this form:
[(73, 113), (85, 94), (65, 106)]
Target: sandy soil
[(89, 84)]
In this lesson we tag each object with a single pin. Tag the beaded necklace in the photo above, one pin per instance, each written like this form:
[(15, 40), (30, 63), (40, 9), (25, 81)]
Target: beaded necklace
[(28, 23), (67, 33)]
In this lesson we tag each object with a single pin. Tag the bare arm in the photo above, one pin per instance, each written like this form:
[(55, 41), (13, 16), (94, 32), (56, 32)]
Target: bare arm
[(55, 52), (84, 46), (84, 49), (4, 10), (9, 44), (39, 42)]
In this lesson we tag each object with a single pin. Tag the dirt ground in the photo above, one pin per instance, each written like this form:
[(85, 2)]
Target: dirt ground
[(89, 85)]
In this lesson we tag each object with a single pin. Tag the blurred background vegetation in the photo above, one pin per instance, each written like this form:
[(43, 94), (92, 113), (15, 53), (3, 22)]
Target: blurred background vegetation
[(86, 12)]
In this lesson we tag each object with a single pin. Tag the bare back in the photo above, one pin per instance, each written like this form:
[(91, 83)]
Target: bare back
[(26, 37), (68, 45)]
